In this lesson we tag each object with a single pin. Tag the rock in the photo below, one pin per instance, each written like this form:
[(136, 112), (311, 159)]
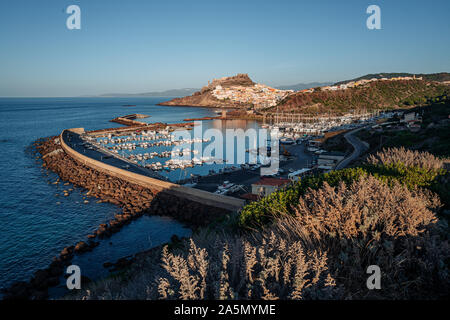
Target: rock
[(40, 279), (56, 268), (85, 280), (101, 230), (39, 295), (122, 263), (108, 265), (114, 223), (67, 251), (81, 247), (93, 244), (52, 281), (174, 238), (18, 291)]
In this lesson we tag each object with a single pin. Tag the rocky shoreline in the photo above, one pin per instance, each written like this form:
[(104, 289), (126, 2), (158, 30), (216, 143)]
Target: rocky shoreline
[(134, 200)]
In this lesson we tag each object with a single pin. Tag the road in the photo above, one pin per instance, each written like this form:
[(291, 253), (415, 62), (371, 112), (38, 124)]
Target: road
[(300, 159), (358, 148), (74, 141)]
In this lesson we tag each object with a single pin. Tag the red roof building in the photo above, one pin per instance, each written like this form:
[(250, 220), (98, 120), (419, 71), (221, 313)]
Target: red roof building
[(250, 196), (266, 185)]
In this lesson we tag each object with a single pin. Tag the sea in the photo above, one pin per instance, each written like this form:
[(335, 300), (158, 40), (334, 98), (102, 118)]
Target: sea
[(36, 223)]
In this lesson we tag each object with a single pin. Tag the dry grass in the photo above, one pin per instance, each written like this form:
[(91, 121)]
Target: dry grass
[(369, 223), (240, 269), (409, 158), (321, 253)]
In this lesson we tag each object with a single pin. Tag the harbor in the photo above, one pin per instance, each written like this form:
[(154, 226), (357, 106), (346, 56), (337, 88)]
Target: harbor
[(157, 150)]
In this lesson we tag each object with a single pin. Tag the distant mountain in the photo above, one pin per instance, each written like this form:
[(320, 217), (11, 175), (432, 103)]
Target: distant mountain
[(302, 86), (440, 77), (167, 93)]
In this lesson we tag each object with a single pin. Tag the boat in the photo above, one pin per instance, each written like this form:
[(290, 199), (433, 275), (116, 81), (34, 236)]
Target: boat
[(255, 167), (224, 188), (245, 166)]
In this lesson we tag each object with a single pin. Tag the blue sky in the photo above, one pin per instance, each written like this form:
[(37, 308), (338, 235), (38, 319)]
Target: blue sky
[(144, 45)]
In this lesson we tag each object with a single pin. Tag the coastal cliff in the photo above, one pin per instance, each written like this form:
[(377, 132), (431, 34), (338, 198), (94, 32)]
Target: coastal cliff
[(206, 98)]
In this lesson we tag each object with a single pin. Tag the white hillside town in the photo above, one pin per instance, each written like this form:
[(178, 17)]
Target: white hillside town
[(260, 95)]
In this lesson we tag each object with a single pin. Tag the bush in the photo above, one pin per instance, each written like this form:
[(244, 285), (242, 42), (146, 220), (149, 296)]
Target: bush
[(411, 168), (407, 158), (370, 223), (282, 201), (322, 251)]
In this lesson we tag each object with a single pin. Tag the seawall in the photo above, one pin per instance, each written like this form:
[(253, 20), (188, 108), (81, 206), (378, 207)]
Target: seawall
[(170, 189)]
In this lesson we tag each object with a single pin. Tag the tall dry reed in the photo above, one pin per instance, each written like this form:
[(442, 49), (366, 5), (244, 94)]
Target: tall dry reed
[(410, 158), (320, 253)]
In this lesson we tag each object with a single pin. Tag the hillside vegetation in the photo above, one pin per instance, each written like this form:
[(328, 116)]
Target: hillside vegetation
[(433, 136), (313, 240), (377, 95), (440, 77)]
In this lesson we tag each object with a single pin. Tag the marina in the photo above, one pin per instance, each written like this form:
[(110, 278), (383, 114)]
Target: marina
[(161, 151), (296, 126), (157, 147)]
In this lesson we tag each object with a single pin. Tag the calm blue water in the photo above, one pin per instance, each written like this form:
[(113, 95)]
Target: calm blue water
[(35, 224)]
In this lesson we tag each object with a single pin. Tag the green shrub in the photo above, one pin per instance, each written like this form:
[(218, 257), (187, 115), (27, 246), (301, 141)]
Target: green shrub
[(282, 201), (420, 174)]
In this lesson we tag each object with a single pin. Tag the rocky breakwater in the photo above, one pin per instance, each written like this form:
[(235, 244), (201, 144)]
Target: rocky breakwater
[(205, 97), (130, 120), (134, 200)]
